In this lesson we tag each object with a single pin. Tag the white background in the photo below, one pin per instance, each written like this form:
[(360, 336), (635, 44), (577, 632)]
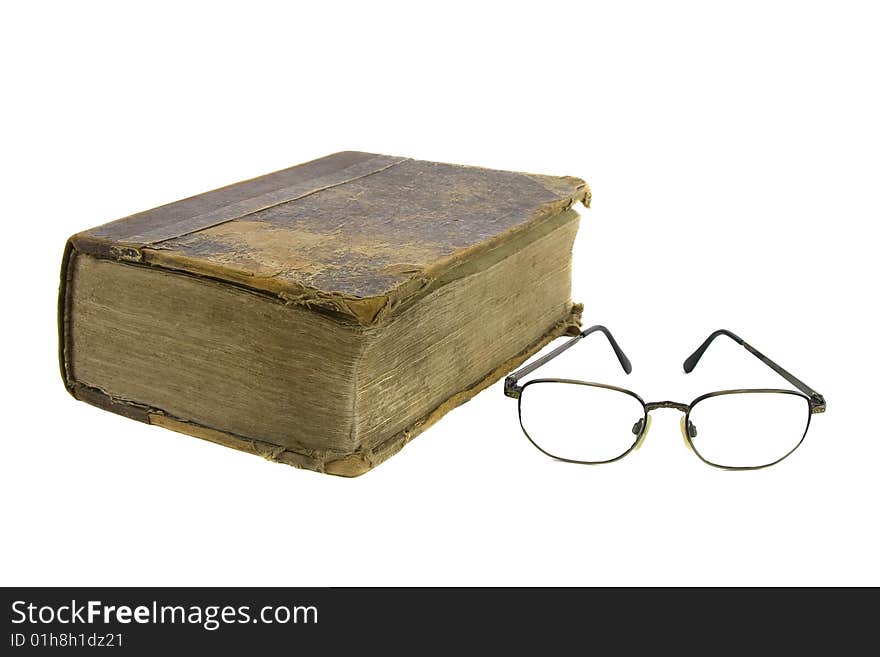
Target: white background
[(733, 156)]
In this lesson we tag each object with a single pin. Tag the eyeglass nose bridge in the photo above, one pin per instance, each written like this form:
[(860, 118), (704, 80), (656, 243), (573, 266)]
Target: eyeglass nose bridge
[(652, 406), (688, 430)]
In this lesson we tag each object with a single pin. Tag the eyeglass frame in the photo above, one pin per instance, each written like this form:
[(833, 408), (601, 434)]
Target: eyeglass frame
[(816, 402)]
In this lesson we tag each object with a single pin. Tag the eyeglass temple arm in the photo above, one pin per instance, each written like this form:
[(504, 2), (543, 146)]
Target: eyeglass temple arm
[(512, 390), (817, 401)]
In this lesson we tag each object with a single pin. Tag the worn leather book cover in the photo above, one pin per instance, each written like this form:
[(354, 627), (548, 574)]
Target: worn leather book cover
[(322, 315)]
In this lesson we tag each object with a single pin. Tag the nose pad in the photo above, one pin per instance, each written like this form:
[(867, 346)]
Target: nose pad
[(685, 430), (643, 428)]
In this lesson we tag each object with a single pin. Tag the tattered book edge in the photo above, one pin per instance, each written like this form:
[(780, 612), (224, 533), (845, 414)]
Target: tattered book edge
[(335, 463)]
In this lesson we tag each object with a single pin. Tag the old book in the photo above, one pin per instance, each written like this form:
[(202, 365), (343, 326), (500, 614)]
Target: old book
[(324, 315)]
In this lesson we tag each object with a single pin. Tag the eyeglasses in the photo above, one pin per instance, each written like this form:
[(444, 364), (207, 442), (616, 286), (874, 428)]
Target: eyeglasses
[(742, 429)]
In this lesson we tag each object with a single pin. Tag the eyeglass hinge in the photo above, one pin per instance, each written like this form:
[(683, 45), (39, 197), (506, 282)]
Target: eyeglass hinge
[(817, 403), (511, 389)]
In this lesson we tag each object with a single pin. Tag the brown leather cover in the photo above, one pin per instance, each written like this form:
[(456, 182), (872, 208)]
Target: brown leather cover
[(354, 233)]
